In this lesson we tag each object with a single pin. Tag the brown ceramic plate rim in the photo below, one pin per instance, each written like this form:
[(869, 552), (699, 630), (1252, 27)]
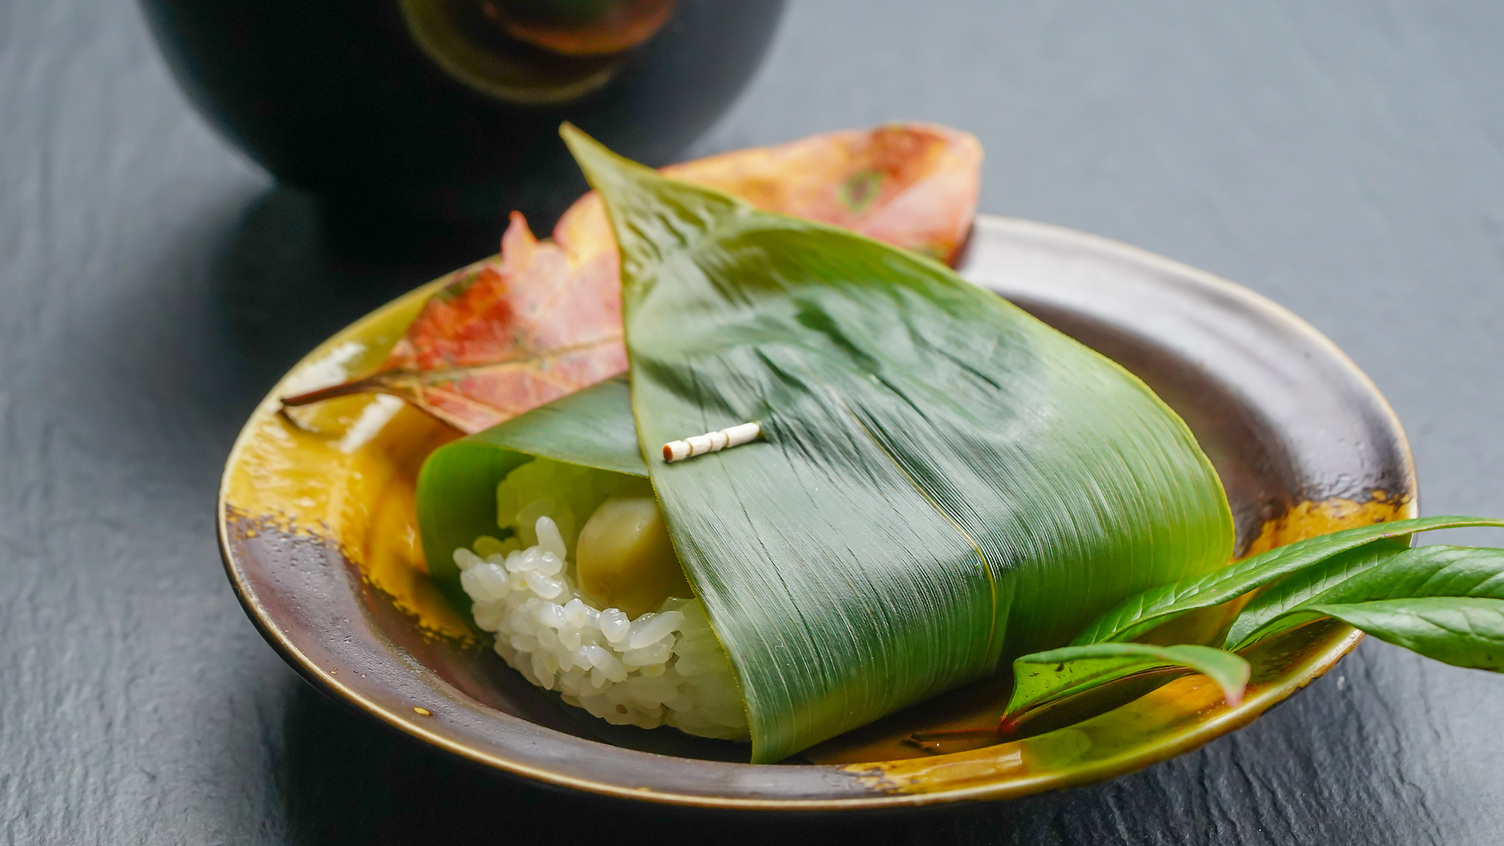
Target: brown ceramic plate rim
[(877, 790)]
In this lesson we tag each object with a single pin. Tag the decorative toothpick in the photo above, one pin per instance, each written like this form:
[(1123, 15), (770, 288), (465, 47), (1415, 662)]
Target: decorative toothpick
[(711, 442)]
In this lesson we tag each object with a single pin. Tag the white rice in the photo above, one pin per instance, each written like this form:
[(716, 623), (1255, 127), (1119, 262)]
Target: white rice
[(664, 668)]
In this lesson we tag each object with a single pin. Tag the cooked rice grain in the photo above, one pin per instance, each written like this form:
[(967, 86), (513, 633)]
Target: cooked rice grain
[(663, 668)]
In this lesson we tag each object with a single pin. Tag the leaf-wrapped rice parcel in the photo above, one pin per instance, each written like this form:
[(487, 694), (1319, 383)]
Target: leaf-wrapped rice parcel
[(943, 483)]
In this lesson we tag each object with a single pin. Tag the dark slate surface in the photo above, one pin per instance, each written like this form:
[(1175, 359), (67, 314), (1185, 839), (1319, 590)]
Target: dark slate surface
[(1345, 158)]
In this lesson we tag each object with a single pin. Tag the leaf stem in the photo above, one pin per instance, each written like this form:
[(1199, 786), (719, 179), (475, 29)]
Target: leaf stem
[(374, 382)]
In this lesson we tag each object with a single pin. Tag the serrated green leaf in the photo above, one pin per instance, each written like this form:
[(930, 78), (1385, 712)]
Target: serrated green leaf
[(1464, 631), (1387, 587), (1142, 612), (1045, 678)]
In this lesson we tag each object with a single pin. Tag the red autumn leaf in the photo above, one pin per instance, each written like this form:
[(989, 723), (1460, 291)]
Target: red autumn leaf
[(543, 319)]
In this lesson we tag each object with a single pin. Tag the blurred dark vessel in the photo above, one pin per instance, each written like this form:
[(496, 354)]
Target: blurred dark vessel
[(449, 109)]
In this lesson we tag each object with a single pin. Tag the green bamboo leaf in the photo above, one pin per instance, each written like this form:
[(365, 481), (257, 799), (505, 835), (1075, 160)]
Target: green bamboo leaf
[(944, 482), (1401, 594), (592, 427), (1046, 678), (1140, 613)]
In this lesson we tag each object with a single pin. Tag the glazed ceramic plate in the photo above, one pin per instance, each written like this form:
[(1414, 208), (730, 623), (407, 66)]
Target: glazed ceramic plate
[(319, 538)]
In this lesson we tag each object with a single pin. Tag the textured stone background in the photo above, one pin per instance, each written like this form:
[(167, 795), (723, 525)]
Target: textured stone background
[(1345, 158)]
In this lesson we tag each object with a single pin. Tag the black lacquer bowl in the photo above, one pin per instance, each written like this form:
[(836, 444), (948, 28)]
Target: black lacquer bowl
[(450, 109)]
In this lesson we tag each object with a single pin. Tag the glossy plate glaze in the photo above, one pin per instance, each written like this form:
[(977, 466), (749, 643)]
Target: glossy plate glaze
[(319, 539)]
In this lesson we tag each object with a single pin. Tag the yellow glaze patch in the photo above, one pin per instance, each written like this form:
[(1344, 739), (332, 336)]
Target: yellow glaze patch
[(346, 470), (1313, 519)]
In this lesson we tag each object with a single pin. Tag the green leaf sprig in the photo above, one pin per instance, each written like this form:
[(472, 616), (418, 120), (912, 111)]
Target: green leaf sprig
[(1444, 602)]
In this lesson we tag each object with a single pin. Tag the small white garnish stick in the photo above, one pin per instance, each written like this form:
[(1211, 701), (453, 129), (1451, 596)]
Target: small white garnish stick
[(711, 442)]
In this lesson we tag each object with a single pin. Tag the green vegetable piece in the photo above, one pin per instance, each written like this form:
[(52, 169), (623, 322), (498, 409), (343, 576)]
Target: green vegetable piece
[(626, 559)]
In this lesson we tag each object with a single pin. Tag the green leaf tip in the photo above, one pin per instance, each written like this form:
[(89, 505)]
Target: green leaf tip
[(1048, 678), (599, 164), (654, 218)]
